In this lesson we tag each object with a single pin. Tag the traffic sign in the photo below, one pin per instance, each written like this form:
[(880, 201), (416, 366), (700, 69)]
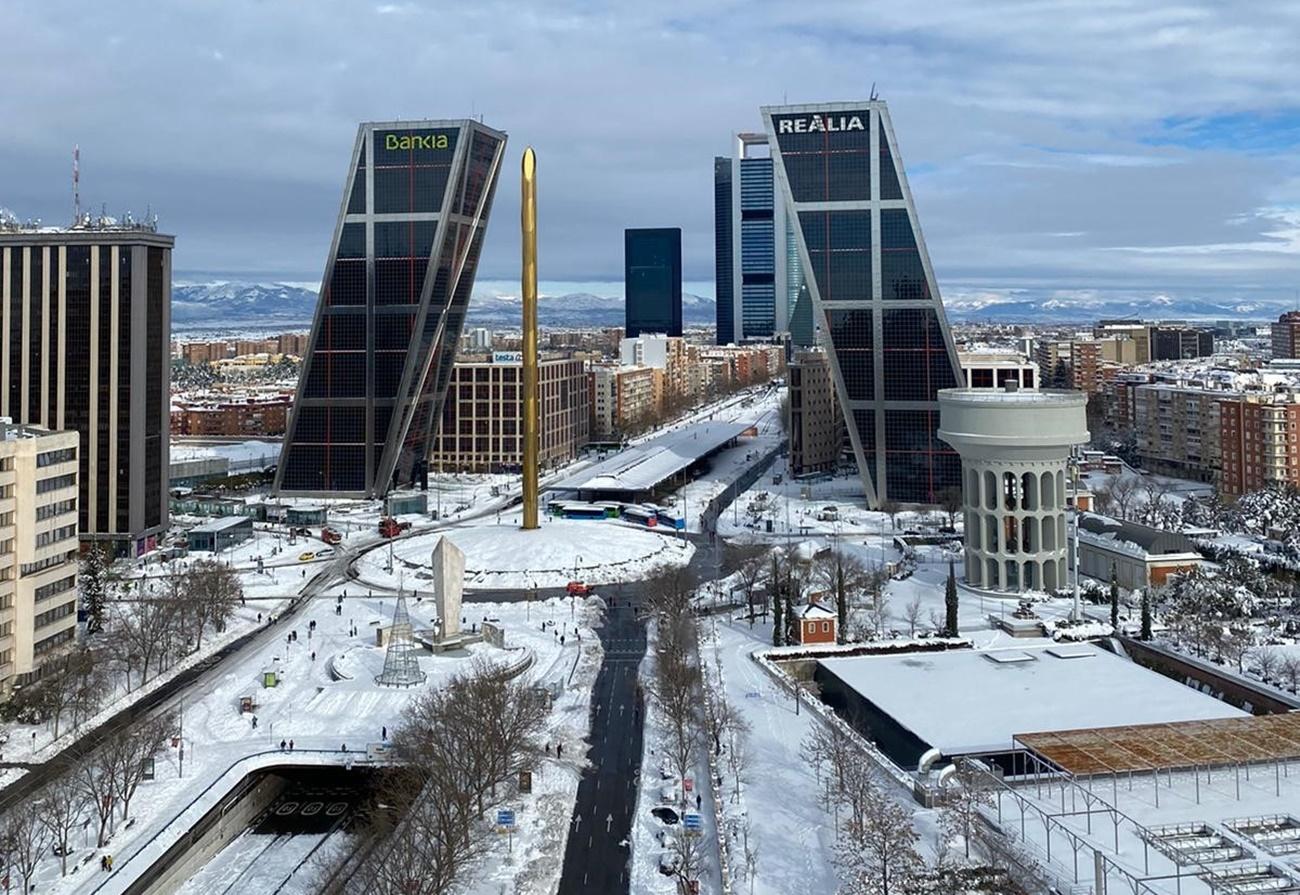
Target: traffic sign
[(506, 817), (692, 822)]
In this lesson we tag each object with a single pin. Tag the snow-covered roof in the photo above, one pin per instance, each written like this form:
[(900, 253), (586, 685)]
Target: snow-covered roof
[(975, 701), (815, 610), (643, 466)]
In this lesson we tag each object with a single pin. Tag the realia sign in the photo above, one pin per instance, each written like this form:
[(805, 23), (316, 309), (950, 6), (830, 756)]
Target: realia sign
[(818, 124)]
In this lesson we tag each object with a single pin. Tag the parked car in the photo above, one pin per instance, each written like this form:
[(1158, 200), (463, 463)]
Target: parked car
[(670, 863), (665, 814), (306, 556), (324, 552), (577, 589)]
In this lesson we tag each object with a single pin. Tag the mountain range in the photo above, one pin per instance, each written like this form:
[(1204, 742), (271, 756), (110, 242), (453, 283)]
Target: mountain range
[(225, 305)]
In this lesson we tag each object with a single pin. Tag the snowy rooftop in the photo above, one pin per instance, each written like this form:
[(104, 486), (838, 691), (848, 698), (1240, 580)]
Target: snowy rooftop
[(975, 701), (643, 466)]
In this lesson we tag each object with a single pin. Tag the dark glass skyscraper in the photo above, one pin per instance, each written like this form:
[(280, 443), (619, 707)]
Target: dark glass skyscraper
[(392, 303), (652, 281), (873, 291)]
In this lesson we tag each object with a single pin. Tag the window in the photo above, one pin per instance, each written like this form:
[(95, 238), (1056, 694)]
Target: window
[(54, 588), (49, 458), (45, 486)]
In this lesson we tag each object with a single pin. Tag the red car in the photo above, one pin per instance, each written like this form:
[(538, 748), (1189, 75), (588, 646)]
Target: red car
[(577, 589)]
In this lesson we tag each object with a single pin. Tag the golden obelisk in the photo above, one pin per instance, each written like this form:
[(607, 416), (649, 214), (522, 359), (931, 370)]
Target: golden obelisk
[(532, 432)]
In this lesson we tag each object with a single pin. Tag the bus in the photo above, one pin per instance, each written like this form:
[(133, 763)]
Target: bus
[(573, 509), (641, 516), (670, 519)]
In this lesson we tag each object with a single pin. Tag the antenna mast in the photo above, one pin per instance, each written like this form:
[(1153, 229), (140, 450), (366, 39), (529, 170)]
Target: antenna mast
[(76, 185)]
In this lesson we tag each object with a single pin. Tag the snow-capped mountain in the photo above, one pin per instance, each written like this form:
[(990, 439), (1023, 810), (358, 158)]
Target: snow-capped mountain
[(222, 303), (1014, 308)]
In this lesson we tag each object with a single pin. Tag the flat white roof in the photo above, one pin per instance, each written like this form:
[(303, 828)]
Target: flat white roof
[(643, 466), (221, 523), (965, 701)]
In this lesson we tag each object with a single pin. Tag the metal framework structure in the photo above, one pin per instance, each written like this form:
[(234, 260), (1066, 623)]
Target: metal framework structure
[(1224, 742), (393, 298), (401, 667)]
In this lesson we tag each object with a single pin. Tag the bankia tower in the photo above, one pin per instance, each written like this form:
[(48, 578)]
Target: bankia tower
[(392, 303), (874, 294)]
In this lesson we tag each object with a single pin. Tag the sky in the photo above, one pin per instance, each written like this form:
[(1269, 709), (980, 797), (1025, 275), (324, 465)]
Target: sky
[(1063, 148)]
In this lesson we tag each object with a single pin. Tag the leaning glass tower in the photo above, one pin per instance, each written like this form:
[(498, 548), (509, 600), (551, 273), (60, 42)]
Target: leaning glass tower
[(392, 303), (873, 291)]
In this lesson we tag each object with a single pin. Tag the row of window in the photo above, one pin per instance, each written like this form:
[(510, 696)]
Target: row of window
[(58, 508), (49, 562), (54, 640), (54, 588), (49, 458), (54, 535), (50, 616), (54, 483)]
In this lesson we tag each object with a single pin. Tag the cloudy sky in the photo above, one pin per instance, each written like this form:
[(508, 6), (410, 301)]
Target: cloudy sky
[(1064, 147)]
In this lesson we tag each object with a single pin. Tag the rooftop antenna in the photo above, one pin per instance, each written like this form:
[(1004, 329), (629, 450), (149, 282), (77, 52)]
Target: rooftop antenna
[(76, 184), (874, 95)]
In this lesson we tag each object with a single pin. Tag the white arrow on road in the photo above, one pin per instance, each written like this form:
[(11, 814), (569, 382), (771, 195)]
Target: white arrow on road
[(577, 821), (609, 820)]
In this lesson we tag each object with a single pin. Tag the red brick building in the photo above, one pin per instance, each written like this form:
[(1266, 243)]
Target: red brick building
[(262, 415), (1258, 439), (817, 624)]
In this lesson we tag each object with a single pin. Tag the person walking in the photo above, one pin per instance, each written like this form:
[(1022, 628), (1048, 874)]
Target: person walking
[(281, 745), (291, 745), (383, 734)]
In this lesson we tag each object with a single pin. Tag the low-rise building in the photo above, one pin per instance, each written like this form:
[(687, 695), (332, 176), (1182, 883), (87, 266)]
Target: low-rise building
[(38, 549), (817, 624), (220, 533), (1141, 556), (482, 426), (252, 415)]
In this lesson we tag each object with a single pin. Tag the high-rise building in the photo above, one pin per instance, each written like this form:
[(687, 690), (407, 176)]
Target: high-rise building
[(1286, 336), (652, 281), (85, 345), (481, 428), (1175, 342), (1259, 442), (38, 507), (757, 270), (392, 304), (838, 172), (816, 426)]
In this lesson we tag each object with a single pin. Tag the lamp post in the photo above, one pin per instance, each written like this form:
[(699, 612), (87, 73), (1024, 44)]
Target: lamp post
[(1072, 465)]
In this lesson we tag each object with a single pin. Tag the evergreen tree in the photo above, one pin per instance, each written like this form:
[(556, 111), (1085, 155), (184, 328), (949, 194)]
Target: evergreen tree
[(1114, 598), (778, 606), (1146, 615), (93, 583), (791, 620), (841, 605), (950, 602)]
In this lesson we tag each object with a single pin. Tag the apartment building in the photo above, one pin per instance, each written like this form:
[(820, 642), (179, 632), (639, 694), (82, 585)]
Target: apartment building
[(481, 427), (38, 549), (1178, 427), (252, 415), (1286, 336), (1259, 441), (816, 428), (622, 399)]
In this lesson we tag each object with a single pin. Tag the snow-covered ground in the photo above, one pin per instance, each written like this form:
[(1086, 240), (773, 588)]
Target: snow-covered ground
[(244, 456), (316, 711), (499, 554)]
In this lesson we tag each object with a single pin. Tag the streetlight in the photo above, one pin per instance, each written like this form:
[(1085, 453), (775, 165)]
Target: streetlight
[(1072, 466)]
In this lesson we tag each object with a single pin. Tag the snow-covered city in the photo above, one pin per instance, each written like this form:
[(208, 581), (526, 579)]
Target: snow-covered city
[(443, 488)]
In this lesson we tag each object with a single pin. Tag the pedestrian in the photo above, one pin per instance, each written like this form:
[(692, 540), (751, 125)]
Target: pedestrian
[(103, 862), (110, 863), (345, 747), (313, 655), (698, 801), (255, 722), (383, 735), (281, 745), (259, 618), (291, 745)]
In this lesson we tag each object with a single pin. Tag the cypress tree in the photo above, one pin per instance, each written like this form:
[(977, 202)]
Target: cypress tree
[(950, 602), (1114, 599), (841, 604), (1146, 614), (778, 606), (92, 580)]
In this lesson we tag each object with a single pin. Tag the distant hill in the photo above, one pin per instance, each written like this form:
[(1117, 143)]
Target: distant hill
[(230, 304)]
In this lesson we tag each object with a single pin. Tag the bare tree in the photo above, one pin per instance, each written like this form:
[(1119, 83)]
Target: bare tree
[(912, 613), (61, 805), (690, 851), (143, 633), (1289, 671), (751, 573), (1123, 491), (890, 508), (968, 791), (28, 838), (130, 753), (950, 501), (97, 778), (1267, 661), (877, 855), (212, 594), (878, 612), (1236, 642)]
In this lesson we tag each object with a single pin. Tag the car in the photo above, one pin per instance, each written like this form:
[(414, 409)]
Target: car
[(668, 815), (577, 589), (306, 556), (324, 552), (670, 863), (669, 794)]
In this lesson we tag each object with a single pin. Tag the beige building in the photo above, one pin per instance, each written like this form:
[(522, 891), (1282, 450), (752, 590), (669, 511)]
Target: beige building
[(482, 419), (623, 399), (1178, 428), (38, 549), (816, 427)]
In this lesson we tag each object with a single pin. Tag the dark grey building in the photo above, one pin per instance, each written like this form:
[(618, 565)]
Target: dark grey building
[(873, 291), (652, 281), (392, 304), (85, 345), (1175, 342)]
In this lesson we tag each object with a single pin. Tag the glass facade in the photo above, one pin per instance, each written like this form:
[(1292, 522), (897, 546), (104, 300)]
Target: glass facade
[(398, 278), (868, 274), (722, 251), (652, 281)]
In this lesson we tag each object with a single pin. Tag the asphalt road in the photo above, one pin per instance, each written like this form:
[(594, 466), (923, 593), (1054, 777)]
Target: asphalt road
[(596, 855)]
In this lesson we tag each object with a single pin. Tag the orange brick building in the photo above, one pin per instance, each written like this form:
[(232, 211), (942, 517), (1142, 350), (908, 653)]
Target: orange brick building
[(1258, 441)]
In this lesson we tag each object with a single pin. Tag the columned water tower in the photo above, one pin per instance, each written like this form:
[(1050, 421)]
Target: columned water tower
[(1014, 446)]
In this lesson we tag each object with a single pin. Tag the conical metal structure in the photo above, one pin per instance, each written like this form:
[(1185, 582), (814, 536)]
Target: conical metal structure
[(401, 667)]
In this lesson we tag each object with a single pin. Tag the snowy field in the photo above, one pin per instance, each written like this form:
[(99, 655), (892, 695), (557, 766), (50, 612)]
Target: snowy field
[(244, 456), (502, 555)]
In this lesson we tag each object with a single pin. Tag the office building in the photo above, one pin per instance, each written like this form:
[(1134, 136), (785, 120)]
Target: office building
[(1286, 336), (816, 427), (837, 169), (652, 281), (481, 427), (85, 346), (758, 272), (1014, 446), (39, 550), (1174, 342), (397, 281)]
